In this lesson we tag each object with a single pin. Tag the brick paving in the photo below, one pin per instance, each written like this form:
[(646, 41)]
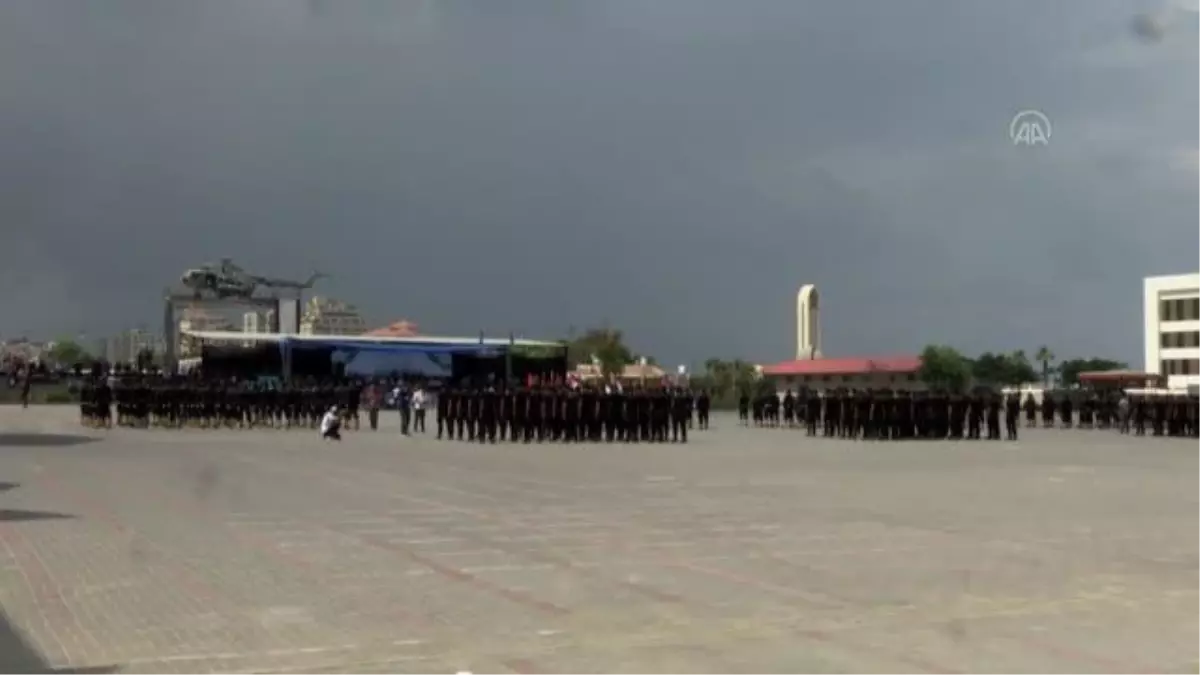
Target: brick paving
[(746, 550)]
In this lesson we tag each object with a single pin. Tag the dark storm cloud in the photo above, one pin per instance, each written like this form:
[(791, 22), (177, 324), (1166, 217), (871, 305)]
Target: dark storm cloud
[(678, 168)]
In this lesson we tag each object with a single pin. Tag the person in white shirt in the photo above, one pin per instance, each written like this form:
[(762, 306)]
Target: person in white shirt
[(331, 425), (418, 406)]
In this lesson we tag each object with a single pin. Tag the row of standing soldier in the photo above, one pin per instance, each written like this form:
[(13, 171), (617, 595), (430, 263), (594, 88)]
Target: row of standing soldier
[(884, 414), (880, 414), (937, 414), (525, 413), (570, 414), (560, 413)]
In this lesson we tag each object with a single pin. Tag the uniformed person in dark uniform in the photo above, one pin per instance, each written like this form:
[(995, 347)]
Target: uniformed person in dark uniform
[(681, 410), (812, 411), (1048, 409), (87, 394), (645, 415), (460, 412), (454, 412), (504, 402), (744, 409), (703, 402), (487, 409), (1012, 411), (520, 415), (604, 404), (789, 409), (615, 430), (568, 414), (975, 413), (103, 402), (993, 403), (535, 421), (1087, 412), (591, 428), (828, 413)]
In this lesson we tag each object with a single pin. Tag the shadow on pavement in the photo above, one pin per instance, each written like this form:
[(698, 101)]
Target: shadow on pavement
[(20, 516), (43, 440), (18, 656)]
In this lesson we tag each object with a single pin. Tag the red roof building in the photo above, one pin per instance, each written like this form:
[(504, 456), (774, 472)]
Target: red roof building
[(894, 372), (402, 329), (895, 365)]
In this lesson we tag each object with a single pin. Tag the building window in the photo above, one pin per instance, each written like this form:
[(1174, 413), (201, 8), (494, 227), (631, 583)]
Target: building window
[(1187, 339), (912, 377), (1180, 367), (826, 378), (1165, 310), (1193, 313)]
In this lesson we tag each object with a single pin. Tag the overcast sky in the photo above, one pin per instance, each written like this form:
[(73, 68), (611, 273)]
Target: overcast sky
[(675, 167)]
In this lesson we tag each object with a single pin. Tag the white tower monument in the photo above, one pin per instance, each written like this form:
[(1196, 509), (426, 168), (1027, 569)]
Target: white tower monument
[(808, 323)]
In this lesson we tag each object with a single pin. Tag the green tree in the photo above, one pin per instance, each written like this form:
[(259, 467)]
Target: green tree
[(1045, 357), (1069, 370), (607, 345), (1002, 369), (67, 353), (944, 367), (1022, 369), (728, 379)]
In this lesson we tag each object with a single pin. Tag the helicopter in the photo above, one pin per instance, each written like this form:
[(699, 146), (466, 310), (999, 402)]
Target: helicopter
[(225, 280)]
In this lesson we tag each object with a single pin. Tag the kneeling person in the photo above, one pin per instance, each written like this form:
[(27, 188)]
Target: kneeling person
[(331, 425)]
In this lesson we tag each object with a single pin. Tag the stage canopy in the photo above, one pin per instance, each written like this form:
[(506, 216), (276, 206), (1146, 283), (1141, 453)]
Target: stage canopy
[(437, 357)]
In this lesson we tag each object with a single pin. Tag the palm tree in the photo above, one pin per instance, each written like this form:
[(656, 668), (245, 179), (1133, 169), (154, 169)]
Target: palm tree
[(1045, 356), (719, 371)]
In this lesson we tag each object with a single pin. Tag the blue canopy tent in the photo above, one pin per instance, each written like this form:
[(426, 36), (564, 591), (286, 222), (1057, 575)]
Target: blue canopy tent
[(367, 359), (426, 359), (262, 354)]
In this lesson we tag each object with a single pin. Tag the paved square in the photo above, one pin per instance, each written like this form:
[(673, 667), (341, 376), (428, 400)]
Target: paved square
[(746, 550)]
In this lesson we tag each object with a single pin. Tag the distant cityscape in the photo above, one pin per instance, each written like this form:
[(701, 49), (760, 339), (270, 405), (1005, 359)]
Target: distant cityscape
[(320, 316)]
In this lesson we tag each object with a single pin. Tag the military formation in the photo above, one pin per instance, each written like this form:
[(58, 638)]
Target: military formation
[(890, 415), (554, 413), (571, 414), (138, 400), (884, 415)]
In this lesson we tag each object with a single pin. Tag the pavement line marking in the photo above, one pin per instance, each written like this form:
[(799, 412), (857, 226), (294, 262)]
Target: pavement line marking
[(185, 658), (269, 653), (346, 666)]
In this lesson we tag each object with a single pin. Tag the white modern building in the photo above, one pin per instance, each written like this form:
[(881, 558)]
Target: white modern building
[(259, 322), (125, 347), (1171, 309), (198, 319), (323, 316)]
